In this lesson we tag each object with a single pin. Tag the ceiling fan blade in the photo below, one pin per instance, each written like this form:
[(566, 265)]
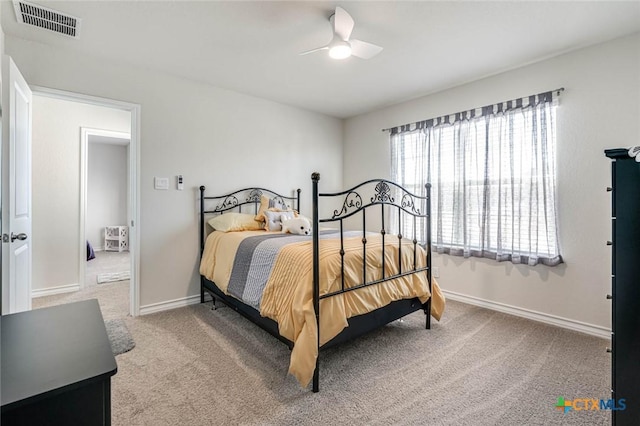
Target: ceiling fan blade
[(342, 23), (314, 50), (364, 50)]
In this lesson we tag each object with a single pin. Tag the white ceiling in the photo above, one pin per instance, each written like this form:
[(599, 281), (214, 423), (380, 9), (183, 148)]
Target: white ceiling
[(252, 46)]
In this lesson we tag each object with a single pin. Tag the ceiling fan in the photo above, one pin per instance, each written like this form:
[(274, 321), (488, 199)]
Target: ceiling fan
[(341, 46)]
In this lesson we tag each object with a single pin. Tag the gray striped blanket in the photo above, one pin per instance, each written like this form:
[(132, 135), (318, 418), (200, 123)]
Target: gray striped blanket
[(254, 262)]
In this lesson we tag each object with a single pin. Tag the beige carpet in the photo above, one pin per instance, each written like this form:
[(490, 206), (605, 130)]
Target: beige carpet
[(195, 366), (113, 297)]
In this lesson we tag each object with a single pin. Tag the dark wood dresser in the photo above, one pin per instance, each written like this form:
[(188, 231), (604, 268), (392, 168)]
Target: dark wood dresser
[(625, 286), (57, 365)]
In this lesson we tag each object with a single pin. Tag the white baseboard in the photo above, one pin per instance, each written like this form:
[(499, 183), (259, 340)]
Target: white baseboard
[(170, 304), (594, 330), (67, 288)]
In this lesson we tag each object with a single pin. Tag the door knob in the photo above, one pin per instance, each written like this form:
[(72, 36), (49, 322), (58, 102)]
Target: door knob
[(21, 236)]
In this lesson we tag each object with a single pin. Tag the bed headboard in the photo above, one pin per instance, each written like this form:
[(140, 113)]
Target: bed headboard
[(247, 198)]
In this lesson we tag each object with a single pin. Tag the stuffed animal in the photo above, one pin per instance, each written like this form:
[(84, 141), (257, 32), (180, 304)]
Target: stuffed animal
[(298, 225)]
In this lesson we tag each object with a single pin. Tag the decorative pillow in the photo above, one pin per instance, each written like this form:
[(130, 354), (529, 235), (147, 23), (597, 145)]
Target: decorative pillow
[(229, 222), (269, 203), (274, 218)]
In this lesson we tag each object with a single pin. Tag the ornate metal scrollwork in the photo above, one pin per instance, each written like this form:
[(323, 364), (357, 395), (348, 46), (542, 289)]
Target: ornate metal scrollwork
[(408, 202), (634, 152), (254, 196), (228, 203), (383, 193), (352, 201)]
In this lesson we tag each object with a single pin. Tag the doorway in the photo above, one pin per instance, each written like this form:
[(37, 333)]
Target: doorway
[(106, 133), (104, 211)]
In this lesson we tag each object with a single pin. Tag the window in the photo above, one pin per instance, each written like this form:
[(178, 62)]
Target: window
[(493, 178)]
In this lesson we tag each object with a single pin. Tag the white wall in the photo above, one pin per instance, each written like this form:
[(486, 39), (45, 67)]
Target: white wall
[(1, 59), (56, 184), (107, 185), (599, 109), (219, 138), (1, 40)]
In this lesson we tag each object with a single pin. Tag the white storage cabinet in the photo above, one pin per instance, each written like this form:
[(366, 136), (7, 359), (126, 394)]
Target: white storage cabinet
[(116, 238)]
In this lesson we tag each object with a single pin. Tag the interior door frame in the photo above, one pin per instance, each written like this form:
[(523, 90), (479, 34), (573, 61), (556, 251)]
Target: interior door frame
[(134, 184), (85, 134)]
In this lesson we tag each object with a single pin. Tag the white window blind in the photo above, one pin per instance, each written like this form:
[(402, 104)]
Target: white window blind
[(493, 176)]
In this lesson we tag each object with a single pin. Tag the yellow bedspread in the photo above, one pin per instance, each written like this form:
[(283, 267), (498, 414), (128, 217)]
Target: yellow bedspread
[(288, 295)]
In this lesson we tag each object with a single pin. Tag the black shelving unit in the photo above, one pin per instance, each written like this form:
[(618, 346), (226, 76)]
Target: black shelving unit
[(625, 286)]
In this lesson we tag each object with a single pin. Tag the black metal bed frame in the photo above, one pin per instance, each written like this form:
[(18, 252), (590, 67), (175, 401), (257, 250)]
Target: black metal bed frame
[(417, 207)]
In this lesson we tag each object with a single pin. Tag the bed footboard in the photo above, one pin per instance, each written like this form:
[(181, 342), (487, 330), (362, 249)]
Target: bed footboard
[(387, 198)]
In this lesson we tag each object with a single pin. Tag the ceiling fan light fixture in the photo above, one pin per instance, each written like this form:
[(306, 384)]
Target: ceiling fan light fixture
[(342, 45), (341, 50)]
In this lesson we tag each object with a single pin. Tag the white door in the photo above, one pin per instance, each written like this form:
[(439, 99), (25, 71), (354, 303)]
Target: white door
[(16, 190)]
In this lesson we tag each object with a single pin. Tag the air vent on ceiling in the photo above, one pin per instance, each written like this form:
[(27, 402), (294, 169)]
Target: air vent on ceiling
[(49, 19)]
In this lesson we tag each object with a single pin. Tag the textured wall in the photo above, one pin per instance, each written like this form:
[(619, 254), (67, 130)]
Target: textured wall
[(107, 186)]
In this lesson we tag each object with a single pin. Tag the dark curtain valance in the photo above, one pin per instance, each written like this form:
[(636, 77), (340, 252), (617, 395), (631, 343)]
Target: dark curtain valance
[(528, 101)]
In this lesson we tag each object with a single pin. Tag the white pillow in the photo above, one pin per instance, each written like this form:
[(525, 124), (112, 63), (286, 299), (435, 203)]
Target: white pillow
[(274, 218)]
